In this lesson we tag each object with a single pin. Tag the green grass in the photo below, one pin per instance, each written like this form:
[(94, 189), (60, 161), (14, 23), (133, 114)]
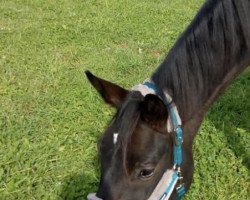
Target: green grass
[(51, 118)]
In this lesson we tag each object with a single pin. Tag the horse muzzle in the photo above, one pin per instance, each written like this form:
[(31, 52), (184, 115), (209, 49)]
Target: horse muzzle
[(92, 196)]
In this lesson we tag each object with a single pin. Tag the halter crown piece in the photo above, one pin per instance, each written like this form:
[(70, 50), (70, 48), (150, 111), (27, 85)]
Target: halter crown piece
[(172, 178)]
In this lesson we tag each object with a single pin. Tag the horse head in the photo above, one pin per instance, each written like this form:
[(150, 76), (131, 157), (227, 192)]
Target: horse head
[(136, 148)]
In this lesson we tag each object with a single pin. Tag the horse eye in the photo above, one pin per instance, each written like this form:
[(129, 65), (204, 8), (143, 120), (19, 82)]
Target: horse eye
[(146, 173)]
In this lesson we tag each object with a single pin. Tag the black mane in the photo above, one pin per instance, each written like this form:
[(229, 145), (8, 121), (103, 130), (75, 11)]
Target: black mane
[(205, 53)]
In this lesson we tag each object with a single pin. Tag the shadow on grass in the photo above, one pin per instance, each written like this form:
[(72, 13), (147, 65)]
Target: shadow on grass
[(77, 187), (235, 136), (231, 115)]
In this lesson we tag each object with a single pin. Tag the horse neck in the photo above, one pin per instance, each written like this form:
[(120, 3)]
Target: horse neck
[(207, 57)]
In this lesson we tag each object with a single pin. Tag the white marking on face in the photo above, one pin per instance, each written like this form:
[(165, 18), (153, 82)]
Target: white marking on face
[(115, 136)]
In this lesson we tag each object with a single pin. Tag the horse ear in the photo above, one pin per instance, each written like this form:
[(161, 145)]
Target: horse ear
[(154, 112), (110, 92)]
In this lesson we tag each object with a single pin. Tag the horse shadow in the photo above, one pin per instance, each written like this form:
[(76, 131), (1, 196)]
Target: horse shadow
[(77, 187), (231, 114)]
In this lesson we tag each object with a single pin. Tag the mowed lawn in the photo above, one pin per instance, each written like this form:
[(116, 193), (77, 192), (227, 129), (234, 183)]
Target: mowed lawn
[(51, 118)]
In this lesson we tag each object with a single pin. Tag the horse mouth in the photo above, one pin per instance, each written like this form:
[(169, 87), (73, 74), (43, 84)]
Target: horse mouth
[(92, 196)]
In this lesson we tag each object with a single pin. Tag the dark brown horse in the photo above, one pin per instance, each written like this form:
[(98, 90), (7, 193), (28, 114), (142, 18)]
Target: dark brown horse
[(137, 148)]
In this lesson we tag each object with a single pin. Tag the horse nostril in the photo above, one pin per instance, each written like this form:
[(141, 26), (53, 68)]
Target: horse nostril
[(92, 196)]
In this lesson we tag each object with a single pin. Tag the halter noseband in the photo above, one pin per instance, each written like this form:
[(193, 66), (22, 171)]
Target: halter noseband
[(172, 178)]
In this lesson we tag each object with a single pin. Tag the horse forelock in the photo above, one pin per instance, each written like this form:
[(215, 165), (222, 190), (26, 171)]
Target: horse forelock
[(124, 123)]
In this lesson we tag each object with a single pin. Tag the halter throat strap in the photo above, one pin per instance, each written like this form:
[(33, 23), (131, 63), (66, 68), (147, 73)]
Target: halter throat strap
[(172, 178)]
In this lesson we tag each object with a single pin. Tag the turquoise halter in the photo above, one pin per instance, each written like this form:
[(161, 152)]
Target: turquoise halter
[(176, 122)]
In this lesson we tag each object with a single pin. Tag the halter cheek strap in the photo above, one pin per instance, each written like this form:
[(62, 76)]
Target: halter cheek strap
[(172, 178)]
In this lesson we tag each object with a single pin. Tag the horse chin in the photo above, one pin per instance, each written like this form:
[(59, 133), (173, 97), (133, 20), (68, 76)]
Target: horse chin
[(92, 196)]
